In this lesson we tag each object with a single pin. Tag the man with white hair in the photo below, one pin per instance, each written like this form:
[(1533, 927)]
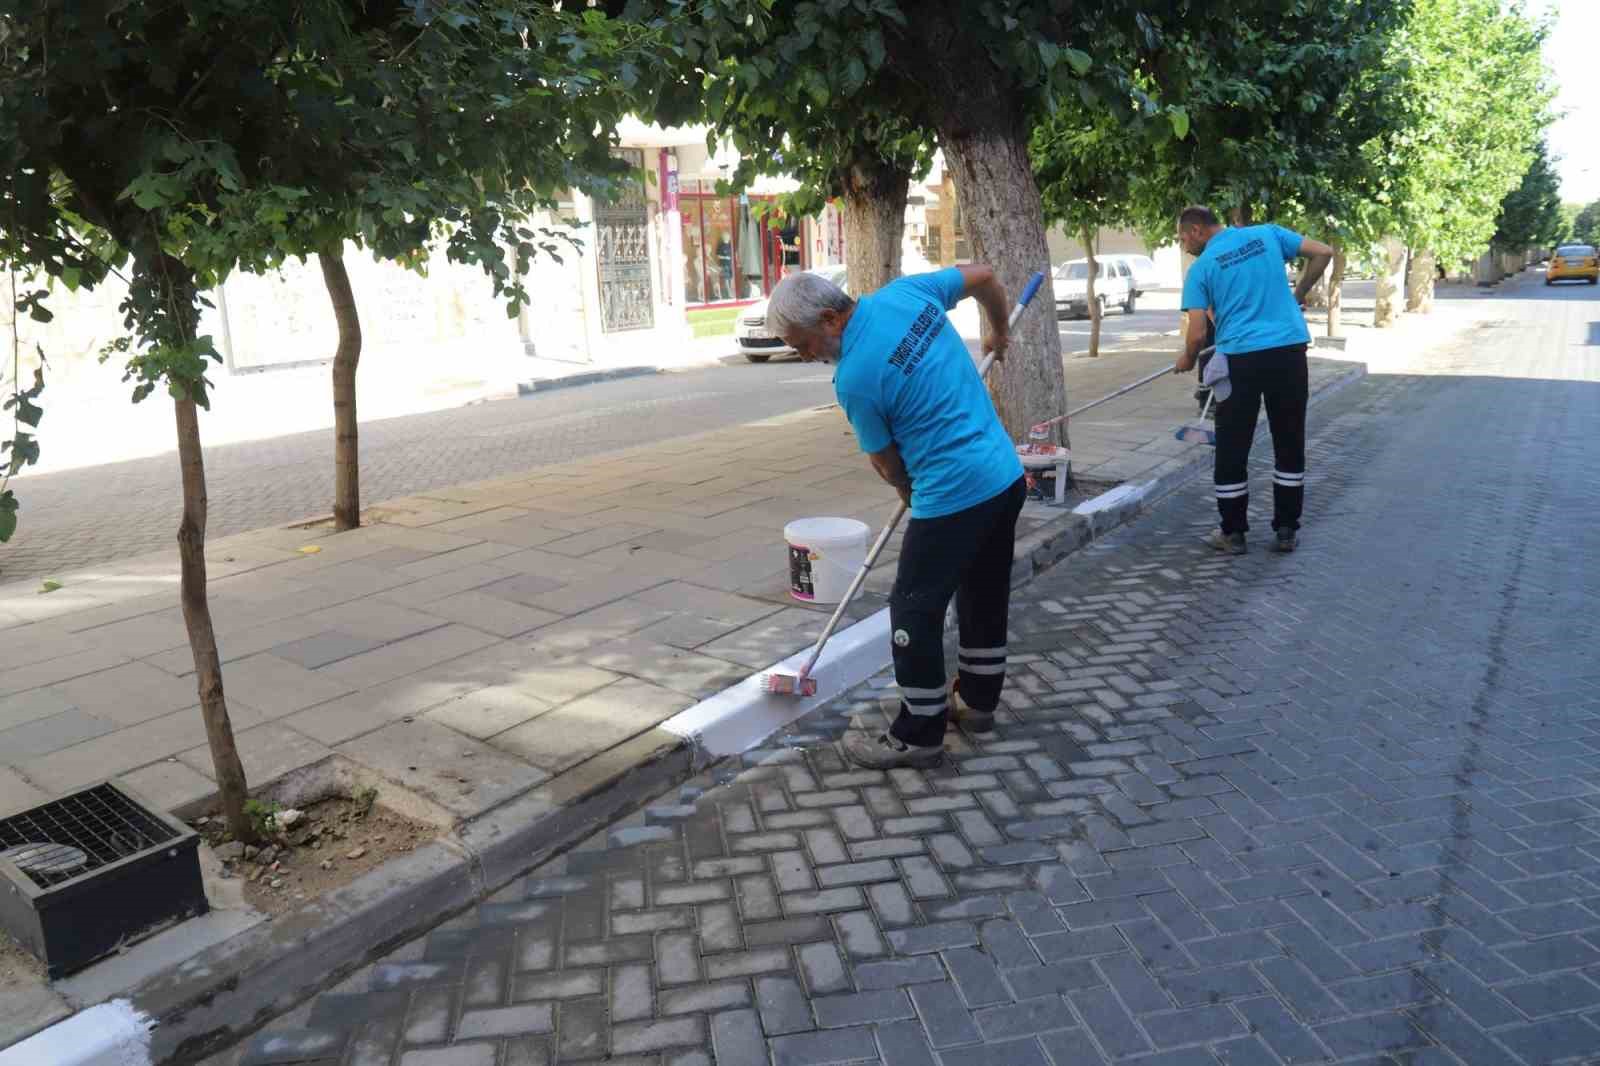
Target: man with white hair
[(922, 414)]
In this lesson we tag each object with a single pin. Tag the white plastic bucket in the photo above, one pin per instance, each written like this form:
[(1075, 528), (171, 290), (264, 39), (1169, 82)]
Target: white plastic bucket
[(824, 555)]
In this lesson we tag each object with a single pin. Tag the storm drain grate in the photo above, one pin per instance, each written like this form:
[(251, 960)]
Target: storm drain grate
[(69, 837), (88, 874)]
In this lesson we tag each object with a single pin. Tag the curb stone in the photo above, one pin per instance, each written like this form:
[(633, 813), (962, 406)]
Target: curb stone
[(218, 997), (533, 385)]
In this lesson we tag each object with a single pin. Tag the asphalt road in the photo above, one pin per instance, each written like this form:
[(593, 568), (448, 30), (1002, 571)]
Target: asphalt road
[(80, 517)]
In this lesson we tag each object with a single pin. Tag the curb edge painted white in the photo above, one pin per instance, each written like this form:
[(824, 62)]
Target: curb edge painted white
[(1128, 492), (738, 718), (107, 1034)]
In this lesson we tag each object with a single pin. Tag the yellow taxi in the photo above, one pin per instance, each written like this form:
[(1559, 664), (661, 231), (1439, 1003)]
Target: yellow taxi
[(1572, 262)]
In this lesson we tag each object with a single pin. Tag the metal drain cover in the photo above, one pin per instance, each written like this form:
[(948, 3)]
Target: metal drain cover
[(49, 860)]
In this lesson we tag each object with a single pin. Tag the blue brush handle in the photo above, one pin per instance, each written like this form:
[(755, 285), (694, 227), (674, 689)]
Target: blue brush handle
[(1032, 287)]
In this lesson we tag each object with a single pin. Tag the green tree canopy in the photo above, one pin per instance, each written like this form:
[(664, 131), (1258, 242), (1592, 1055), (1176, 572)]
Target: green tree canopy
[(1476, 98), (203, 136), (1586, 225), (1530, 214)]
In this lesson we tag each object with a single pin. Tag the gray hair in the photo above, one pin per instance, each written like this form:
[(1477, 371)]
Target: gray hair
[(800, 299)]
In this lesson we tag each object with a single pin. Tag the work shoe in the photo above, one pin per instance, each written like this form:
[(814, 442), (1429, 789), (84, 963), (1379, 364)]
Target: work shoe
[(1232, 543), (1287, 541), (880, 751), (966, 716)]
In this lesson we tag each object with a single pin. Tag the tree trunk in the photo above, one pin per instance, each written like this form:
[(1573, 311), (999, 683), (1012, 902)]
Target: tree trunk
[(1004, 221), (1335, 278), (197, 618), (1240, 216), (1419, 282), (1093, 303), (874, 225), (1391, 284), (346, 434)]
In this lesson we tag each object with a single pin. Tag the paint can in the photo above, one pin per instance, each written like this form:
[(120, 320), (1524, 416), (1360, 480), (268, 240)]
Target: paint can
[(824, 555)]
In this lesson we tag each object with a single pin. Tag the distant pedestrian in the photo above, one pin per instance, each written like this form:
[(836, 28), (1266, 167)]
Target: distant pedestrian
[(922, 414), (1261, 334)]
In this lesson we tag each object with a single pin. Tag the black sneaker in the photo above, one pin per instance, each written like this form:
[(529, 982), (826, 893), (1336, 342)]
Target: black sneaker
[(1287, 540), (1232, 543)]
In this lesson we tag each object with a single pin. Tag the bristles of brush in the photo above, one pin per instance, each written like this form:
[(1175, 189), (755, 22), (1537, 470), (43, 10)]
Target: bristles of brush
[(788, 685)]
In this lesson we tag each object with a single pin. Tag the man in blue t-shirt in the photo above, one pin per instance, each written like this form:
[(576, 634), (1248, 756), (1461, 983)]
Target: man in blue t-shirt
[(922, 414), (1238, 281)]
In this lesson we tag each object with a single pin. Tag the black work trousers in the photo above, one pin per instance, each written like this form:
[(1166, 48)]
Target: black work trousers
[(966, 555), (1278, 378)]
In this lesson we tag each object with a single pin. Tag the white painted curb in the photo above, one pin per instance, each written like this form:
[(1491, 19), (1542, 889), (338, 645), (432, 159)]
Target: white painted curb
[(107, 1034), (1127, 493), (738, 718)]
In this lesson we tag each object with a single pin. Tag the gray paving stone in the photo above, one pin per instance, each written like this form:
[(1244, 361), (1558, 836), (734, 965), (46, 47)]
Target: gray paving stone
[(944, 1015), (506, 1021), (465, 1055), (931, 938), (1110, 1023), (859, 935), (1029, 1018), (859, 1008), (1392, 1032), (897, 972), (737, 1039), (1292, 1040), (825, 1048), (976, 976), (1193, 1024), (635, 1037), (701, 998), (746, 963), (822, 968), (904, 1044), (783, 1006)]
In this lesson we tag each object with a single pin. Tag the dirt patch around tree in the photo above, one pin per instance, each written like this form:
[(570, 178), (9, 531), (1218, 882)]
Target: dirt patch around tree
[(17, 966), (313, 849)]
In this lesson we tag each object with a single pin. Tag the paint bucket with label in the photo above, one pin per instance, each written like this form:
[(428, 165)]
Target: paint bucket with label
[(824, 555)]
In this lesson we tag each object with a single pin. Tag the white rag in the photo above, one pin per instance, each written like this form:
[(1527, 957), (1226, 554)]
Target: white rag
[(1216, 377)]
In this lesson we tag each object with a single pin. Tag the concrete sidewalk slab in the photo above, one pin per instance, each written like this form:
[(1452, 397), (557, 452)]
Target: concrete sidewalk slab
[(649, 578)]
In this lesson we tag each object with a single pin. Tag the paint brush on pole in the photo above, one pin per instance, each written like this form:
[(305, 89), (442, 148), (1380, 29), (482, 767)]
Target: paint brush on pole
[(1199, 432), (803, 684)]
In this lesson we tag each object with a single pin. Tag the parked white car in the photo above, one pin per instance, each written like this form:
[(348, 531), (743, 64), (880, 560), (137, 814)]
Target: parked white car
[(1113, 286), (756, 342), (1146, 275)]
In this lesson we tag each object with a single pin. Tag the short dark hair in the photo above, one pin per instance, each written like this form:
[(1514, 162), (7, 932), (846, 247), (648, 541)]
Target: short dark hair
[(1198, 216)]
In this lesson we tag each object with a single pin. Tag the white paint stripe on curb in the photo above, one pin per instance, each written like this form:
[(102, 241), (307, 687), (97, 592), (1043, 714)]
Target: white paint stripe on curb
[(738, 718), (107, 1034), (1128, 493)]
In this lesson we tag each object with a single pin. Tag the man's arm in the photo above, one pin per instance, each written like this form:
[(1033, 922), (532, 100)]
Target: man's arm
[(1194, 339), (1317, 256), (892, 469), (978, 281)]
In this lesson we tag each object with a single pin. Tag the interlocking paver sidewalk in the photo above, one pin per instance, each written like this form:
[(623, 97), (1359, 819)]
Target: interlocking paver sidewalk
[(1342, 805)]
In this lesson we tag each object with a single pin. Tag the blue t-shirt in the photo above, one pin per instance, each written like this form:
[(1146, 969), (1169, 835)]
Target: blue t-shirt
[(905, 377), (1240, 276)]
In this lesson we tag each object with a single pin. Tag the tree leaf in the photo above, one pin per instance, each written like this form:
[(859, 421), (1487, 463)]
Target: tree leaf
[(1079, 61), (1180, 122), (28, 412)]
